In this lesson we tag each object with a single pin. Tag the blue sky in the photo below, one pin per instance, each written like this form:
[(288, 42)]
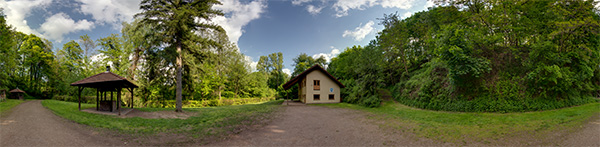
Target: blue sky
[(259, 27)]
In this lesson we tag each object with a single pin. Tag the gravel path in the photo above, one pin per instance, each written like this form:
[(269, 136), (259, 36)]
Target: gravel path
[(589, 135), (30, 124), (322, 126)]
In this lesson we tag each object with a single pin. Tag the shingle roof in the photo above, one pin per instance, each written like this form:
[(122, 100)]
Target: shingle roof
[(17, 91), (104, 79), (302, 75)]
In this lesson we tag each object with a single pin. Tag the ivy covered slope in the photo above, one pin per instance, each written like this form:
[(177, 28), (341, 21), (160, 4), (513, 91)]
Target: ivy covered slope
[(491, 56)]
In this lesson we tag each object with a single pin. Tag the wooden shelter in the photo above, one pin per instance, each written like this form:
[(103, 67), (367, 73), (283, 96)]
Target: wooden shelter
[(17, 94), (103, 83)]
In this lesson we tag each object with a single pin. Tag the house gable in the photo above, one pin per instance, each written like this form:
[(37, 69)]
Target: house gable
[(302, 75)]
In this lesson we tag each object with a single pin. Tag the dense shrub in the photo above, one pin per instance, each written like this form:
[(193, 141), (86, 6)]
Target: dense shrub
[(431, 89), (206, 103), (68, 98)]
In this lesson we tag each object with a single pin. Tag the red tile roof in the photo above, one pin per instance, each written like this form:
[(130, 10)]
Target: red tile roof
[(302, 75)]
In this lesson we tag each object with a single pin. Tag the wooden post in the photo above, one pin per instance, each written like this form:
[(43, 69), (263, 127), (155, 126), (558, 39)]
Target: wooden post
[(131, 90), (119, 100), (97, 101), (111, 101), (80, 89)]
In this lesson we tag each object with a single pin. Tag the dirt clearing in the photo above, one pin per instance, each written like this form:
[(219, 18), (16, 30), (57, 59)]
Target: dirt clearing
[(322, 126)]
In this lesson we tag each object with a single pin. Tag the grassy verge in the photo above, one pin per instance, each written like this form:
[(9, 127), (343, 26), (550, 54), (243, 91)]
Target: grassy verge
[(5, 106), (457, 127), (211, 121)]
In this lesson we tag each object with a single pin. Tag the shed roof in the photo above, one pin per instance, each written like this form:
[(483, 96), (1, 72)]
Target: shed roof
[(105, 79), (17, 91), (302, 75)]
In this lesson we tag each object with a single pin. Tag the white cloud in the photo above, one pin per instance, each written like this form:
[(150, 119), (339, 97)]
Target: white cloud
[(16, 11), (361, 31), (60, 24), (334, 52), (110, 11), (300, 2), (313, 10), (406, 15), (429, 4), (402, 4), (251, 63), (342, 6), (287, 71), (239, 15)]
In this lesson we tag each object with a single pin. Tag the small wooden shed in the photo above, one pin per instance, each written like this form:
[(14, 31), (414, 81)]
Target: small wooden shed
[(103, 83), (316, 85), (17, 94)]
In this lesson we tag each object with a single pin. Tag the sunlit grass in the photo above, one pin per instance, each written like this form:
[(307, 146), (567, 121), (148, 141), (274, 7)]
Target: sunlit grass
[(460, 127), (8, 104), (207, 121)]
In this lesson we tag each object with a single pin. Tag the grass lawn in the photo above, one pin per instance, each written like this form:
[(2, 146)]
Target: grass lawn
[(456, 127), (5, 106), (210, 121)]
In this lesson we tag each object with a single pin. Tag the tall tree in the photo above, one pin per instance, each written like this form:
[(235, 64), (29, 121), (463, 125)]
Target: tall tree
[(114, 53), (176, 22), (303, 62), (272, 65), (89, 49), (7, 62), (135, 40)]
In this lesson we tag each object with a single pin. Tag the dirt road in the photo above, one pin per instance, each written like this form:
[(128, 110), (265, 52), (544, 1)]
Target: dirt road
[(322, 126), (30, 124)]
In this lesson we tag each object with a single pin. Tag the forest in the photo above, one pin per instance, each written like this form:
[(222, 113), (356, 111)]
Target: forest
[(199, 63), (461, 55), (480, 56)]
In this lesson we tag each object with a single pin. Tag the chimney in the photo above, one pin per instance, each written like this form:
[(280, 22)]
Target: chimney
[(107, 68)]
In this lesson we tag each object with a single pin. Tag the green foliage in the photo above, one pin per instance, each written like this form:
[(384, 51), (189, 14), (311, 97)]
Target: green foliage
[(272, 65), (206, 103), (359, 69), (178, 23), (481, 56)]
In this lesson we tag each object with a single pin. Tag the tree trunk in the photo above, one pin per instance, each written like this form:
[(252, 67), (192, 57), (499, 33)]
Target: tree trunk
[(179, 67), (136, 58)]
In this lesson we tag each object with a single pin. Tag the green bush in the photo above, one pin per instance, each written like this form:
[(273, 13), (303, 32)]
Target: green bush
[(84, 99), (205, 103), (431, 88)]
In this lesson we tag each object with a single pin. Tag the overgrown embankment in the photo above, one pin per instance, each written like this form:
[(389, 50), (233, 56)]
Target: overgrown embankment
[(480, 57)]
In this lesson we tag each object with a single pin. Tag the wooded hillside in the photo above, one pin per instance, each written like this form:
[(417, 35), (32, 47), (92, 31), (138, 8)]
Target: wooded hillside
[(491, 56)]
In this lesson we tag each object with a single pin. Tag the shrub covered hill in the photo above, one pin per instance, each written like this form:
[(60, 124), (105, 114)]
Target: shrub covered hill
[(489, 56)]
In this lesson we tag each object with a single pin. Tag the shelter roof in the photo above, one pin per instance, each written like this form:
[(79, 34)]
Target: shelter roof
[(107, 80), (302, 75), (17, 91)]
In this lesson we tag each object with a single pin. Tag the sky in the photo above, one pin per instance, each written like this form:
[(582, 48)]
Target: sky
[(258, 27)]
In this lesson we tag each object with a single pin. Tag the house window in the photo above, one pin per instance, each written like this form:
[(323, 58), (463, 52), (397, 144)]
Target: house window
[(316, 97), (331, 97), (317, 85)]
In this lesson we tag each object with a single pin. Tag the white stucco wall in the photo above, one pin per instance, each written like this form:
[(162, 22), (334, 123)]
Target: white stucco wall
[(326, 84)]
